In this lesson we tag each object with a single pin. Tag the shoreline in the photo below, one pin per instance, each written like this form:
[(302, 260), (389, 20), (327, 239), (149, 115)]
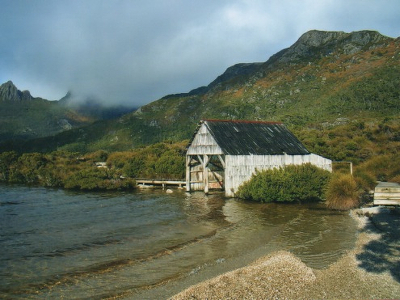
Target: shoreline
[(370, 270)]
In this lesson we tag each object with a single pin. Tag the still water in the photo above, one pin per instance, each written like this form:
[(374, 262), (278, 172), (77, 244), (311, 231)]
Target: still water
[(57, 243)]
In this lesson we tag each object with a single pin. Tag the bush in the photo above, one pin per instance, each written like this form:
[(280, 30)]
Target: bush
[(378, 168), (290, 184), (170, 165), (29, 167), (6, 161), (99, 155), (365, 180), (342, 192), (97, 179), (119, 159), (135, 167)]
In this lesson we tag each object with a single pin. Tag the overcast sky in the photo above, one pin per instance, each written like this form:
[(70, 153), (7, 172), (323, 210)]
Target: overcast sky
[(136, 51)]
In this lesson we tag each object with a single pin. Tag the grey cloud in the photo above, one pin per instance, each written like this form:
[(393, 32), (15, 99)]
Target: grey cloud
[(135, 52)]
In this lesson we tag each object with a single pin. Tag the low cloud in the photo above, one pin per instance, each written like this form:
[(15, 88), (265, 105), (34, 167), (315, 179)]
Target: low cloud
[(134, 52)]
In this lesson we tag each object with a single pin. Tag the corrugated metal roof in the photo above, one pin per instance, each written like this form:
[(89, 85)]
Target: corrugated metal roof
[(253, 137)]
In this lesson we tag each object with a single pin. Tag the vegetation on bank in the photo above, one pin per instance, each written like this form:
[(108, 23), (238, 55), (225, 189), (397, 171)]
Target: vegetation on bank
[(356, 140), (339, 190), (342, 192), (294, 183), (302, 183), (372, 145), (73, 170)]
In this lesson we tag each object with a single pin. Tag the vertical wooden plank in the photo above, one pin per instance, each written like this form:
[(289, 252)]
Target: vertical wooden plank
[(205, 172), (188, 171)]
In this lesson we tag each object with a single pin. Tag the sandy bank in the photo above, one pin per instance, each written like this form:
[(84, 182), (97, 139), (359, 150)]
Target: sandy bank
[(370, 271)]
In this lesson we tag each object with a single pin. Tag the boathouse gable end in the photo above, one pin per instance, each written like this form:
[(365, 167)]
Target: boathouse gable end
[(224, 154), (203, 143)]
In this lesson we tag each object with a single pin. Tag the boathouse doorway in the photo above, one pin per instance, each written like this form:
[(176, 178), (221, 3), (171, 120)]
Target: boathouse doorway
[(205, 172)]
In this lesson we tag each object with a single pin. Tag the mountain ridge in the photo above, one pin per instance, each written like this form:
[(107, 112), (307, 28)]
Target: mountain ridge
[(23, 116), (300, 49), (323, 76)]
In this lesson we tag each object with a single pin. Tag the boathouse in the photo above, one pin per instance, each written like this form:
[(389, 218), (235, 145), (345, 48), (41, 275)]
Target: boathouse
[(224, 154)]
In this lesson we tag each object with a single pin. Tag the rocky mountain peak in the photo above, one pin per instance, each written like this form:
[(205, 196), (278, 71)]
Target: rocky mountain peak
[(316, 38), (9, 92), (310, 46), (326, 42)]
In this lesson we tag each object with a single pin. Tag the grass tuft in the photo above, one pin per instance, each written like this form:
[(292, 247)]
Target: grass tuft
[(342, 192)]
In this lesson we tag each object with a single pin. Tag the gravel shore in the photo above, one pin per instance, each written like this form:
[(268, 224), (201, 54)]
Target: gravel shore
[(370, 271)]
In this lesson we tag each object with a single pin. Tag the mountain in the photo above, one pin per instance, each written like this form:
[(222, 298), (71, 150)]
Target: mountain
[(323, 79), (9, 92), (25, 117)]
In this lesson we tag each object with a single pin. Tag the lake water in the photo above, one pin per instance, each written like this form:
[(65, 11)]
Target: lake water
[(57, 243)]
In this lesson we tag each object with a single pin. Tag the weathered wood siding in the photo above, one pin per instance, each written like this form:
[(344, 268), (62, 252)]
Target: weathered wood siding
[(240, 168), (387, 193), (196, 176), (204, 143), (197, 179)]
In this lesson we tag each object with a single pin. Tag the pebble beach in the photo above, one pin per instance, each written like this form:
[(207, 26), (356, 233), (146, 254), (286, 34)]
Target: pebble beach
[(369, 271)]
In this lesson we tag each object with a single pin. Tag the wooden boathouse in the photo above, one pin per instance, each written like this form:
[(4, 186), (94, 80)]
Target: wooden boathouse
[(224, 154)]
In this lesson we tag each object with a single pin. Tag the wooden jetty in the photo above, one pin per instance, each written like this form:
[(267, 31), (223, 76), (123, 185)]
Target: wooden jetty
[(387, 193), (162, 183)]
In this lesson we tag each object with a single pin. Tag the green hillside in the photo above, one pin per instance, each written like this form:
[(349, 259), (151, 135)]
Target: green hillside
[(326, 81)]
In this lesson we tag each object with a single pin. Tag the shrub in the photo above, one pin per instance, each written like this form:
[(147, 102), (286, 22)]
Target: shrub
[(6, 161), (97, 179), (170, 165), (380, 167), (396, 179), (293, 183), (365, 180), (99, 155), (29, 167), (134, 167), (119, 159), (342, 192)]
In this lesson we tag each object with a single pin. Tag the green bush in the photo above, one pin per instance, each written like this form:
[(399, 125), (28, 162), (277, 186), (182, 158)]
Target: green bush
[(135, 167), (29, 166), (119, 159), (290, 184), (342, 192), (97, 179), (7, 159), (170, 165)]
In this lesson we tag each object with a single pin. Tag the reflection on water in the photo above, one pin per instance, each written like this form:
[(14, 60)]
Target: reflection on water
[(316, 235), (62, 244)]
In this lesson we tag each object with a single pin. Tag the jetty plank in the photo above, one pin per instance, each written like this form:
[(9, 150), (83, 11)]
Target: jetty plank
[(163, 183), (387, 193)]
